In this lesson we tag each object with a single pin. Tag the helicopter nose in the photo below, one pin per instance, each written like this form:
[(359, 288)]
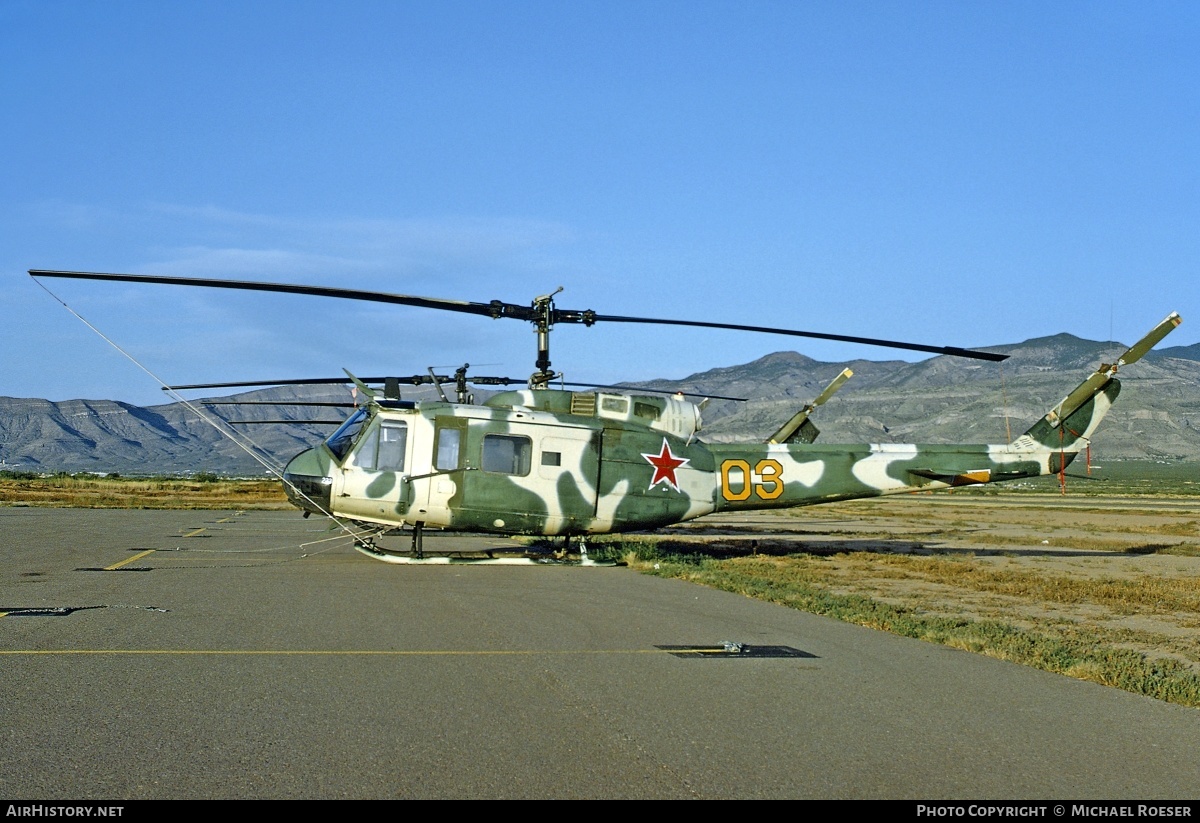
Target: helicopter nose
[(306, 482)]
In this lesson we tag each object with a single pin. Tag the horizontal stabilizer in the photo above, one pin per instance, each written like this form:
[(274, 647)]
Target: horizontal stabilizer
[(952, 478)]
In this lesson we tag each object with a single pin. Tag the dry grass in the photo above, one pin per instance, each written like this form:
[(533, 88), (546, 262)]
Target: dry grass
[(1141, 594), (1104, 590), (1154, 663), (141, 493)]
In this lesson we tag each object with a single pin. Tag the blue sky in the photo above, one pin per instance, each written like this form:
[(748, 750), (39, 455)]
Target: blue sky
[(953, 173)]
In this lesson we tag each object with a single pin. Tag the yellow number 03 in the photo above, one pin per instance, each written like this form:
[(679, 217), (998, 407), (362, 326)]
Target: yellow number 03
[(766, 480)]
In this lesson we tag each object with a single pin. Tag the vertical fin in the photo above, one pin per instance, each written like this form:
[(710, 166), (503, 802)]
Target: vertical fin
[(1069, 425)]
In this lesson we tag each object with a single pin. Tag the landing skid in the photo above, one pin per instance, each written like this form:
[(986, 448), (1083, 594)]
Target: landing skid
[(454, 559), (417, 557)]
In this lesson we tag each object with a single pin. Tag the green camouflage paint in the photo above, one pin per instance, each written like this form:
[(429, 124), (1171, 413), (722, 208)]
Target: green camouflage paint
[(550, 462)]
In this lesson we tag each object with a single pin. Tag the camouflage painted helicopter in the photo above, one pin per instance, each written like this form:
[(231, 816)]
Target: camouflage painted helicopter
[(564, 463)]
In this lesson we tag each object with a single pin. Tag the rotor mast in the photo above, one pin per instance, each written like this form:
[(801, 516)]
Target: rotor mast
[(543, 321)]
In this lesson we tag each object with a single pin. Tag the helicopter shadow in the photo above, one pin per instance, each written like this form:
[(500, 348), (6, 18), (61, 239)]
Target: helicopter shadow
[(712, 546)]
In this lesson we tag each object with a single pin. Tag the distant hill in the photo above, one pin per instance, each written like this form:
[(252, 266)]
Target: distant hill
[(948, 399), (1191, 352), (940, 400), (107, 436)]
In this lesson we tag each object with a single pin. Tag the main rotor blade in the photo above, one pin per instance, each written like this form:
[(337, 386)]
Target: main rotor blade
[(315, 381), (954, 351), (494, 309), (284, 422), (414, 380), (499, 308), (275, 403)]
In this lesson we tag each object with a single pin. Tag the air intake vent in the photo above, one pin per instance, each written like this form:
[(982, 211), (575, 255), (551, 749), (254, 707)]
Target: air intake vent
[(583, 403)]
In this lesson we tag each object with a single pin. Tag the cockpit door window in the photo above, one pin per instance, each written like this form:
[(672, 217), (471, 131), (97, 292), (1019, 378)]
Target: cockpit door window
[(383, 448)]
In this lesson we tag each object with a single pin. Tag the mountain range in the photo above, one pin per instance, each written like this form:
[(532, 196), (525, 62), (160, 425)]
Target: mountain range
[(939, 400)]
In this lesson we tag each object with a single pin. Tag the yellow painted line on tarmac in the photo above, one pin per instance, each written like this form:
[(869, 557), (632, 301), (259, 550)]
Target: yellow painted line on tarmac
[(129, 560), (317, 652), (195, 532)]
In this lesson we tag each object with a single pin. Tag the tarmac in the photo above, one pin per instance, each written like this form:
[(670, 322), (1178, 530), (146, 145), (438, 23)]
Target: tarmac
[(257, 655)]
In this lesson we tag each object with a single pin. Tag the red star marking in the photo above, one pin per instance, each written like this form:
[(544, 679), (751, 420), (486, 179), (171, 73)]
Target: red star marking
[(665, 464)]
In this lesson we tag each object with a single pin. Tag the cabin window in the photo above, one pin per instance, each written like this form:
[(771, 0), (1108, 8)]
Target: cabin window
[(617, 405), (383, 448), (447, 449), (507, 454), (551, 458), (649, 411), (393, 438), (339, 442)]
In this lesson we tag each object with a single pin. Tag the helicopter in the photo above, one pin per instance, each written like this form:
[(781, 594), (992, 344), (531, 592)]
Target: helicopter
[(565, 463)]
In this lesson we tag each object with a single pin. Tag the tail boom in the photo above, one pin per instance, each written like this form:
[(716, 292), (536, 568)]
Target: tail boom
[(784, 474)]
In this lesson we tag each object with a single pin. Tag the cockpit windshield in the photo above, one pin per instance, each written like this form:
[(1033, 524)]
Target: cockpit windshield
[(339, 442)]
